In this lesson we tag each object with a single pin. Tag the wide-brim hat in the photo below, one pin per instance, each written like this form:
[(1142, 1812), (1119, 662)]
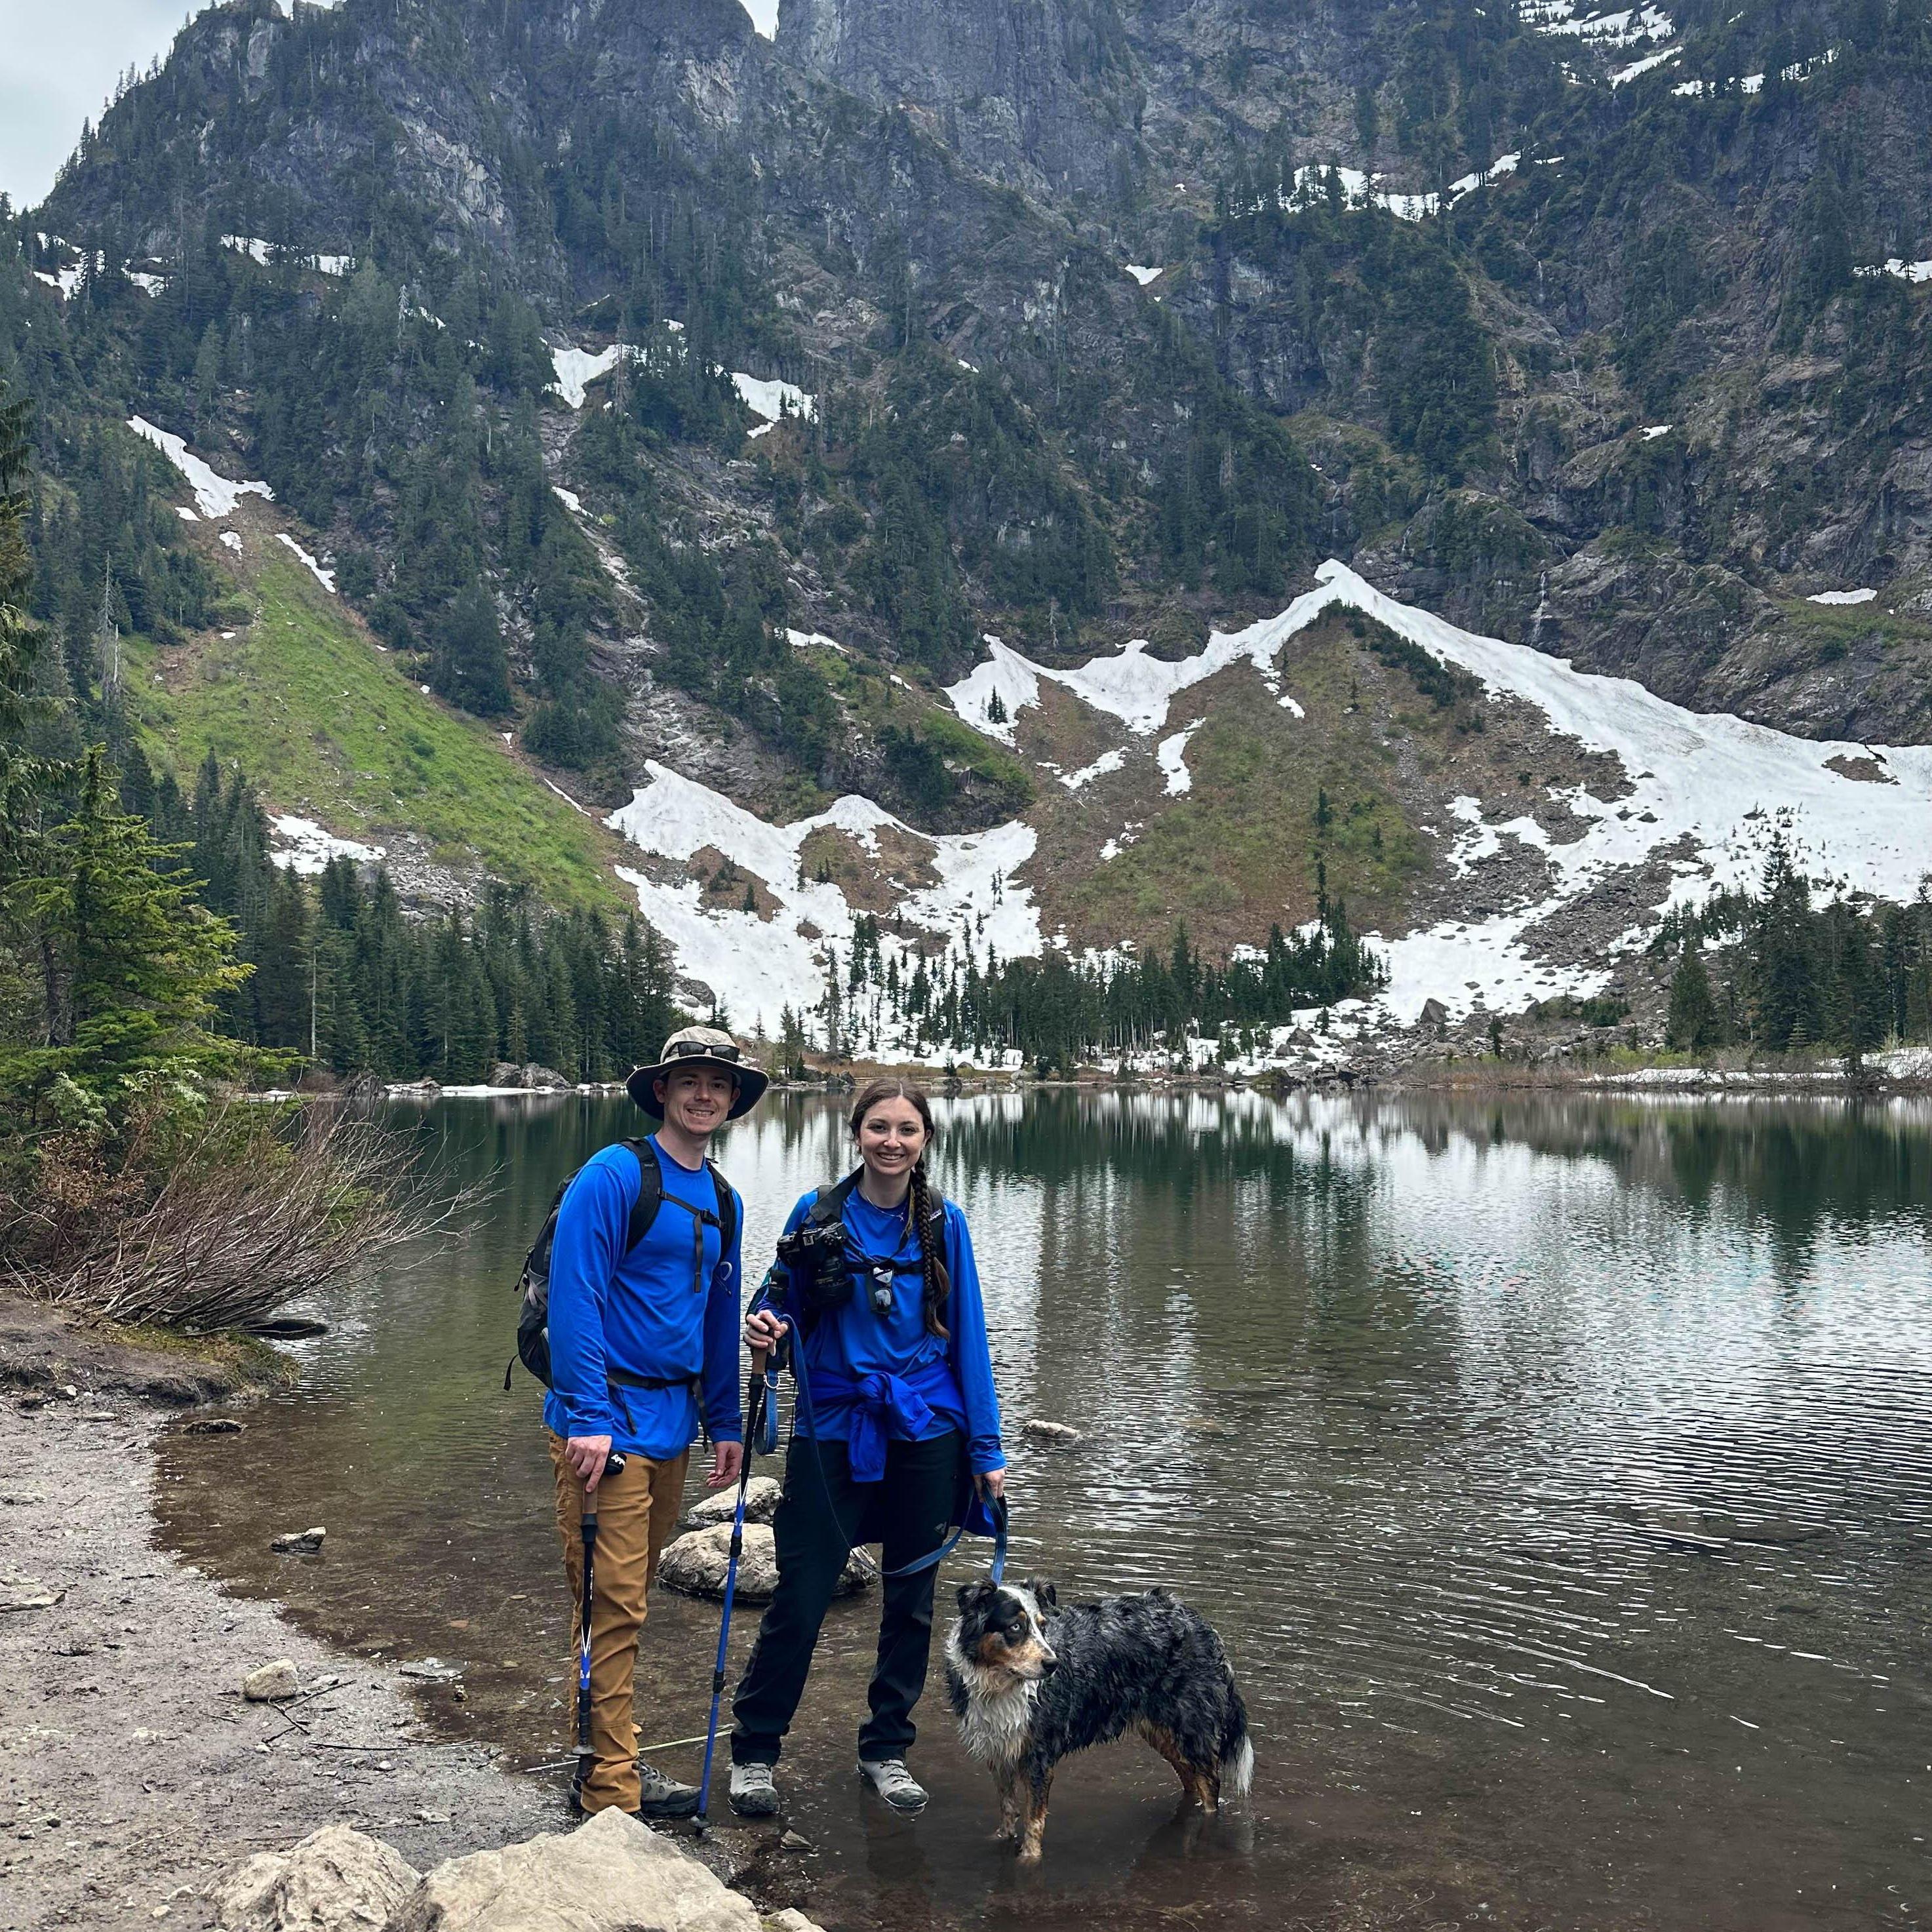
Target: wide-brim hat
[(700, 1046)]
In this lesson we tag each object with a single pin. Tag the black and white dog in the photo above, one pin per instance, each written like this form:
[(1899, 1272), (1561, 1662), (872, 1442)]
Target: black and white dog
[(1030, 1682)]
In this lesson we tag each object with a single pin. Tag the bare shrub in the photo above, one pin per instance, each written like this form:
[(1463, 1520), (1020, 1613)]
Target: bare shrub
[(215, 1218)]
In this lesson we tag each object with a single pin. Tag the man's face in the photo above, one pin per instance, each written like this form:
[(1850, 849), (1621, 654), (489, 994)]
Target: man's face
[(696, 1099)]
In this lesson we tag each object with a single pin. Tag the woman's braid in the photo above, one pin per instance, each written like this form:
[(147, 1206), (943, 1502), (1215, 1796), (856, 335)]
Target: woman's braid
[(932, 1263)]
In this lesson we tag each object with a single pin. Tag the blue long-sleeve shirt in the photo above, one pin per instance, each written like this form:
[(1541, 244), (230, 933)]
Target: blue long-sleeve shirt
[(854, 1340), (640, 1314)]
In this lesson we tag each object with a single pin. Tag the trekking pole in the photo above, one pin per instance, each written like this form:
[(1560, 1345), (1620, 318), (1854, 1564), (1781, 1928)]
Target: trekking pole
[(586, 1756), (754, 1406)]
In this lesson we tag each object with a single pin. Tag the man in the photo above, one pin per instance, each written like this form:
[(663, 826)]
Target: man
[(643, 1339)]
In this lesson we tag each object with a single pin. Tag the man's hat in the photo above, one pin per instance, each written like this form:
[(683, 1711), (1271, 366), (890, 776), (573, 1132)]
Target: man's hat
[(700, 1046)]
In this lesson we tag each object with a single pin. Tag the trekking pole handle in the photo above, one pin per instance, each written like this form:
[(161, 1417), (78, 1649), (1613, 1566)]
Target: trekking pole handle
[(760, 1355)]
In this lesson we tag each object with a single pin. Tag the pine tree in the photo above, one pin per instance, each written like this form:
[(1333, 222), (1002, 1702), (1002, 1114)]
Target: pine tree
[(1693, 1024)]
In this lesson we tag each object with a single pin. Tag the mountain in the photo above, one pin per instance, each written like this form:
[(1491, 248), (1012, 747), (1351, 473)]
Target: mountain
[(689, 408)]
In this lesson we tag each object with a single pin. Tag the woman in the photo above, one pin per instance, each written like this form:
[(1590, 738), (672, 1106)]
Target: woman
[(896, 1407)]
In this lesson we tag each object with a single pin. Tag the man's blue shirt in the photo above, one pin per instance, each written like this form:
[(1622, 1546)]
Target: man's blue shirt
[(641, 1314)]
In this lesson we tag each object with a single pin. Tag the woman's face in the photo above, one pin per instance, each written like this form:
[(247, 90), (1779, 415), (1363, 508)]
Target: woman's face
[(892, 1137)]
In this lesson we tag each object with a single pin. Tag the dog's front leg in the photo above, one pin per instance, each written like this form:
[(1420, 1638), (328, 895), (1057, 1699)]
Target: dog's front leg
[(1033, 1814), (1006, 1782)]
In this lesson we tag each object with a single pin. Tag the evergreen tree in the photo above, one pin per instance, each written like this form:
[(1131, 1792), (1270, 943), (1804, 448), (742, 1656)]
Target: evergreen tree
[(1693, 1024), (469, 666)]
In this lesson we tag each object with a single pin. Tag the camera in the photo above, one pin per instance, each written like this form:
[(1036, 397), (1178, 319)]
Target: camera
[(817, 1252)]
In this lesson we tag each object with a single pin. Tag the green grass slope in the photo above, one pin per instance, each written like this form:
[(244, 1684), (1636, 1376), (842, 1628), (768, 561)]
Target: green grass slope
[(330, 726)]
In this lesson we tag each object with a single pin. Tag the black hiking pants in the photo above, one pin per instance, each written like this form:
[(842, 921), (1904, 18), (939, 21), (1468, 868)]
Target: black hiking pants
[(816, 1524)]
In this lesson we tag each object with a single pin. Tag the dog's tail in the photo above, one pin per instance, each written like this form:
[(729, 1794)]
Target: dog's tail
[(1237, 1748)]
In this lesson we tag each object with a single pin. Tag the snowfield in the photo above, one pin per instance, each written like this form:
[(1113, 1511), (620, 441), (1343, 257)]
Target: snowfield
[(755, 968), (1706, 795), (1715, 783)]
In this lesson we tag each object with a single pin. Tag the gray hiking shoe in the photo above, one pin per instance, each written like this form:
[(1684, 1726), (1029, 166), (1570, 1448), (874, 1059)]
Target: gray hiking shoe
[(662, 1797), (753, 1793), (890, 1779)]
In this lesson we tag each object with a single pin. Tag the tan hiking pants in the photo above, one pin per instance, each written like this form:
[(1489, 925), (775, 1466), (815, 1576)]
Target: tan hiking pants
[(637, 1510)]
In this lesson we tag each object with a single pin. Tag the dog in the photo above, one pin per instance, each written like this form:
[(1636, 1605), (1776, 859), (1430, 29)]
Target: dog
[(1029, 1683)]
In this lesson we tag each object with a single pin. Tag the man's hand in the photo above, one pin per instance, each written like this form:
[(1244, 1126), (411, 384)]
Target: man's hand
[(587, 1455), (992, 1484), (764, 1330), (726, 1460)]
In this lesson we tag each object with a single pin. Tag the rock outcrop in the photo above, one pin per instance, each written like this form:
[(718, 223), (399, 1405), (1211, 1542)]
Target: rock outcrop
[(336, 1880), (694, 1565)]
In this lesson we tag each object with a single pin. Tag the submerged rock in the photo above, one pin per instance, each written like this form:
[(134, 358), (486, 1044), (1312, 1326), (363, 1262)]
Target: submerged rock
[(611, 1874), (1051, 1435), (694, 1565), (335, 1880), (761, 1503), (269, 1683)]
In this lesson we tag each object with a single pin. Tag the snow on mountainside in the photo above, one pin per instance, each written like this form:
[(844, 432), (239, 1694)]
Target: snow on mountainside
[(1696, 806), (756, 964)]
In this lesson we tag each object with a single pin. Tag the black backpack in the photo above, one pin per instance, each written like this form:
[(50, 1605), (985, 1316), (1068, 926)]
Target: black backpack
[(533, 1285)]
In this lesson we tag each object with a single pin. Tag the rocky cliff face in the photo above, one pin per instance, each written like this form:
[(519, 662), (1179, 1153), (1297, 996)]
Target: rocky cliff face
[(1601, 332)]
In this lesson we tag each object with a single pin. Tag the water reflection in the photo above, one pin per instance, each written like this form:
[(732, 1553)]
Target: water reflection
[(1557, 1470)]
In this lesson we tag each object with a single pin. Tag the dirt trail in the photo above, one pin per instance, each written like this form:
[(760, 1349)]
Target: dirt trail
[(131, 1768)]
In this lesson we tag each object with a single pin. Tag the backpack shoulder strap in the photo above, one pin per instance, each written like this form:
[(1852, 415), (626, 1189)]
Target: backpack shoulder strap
[(727, 1209), (828, 1203), (650, 1193)]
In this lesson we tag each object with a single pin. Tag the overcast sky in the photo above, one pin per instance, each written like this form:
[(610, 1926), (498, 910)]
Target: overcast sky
[(58, 61)]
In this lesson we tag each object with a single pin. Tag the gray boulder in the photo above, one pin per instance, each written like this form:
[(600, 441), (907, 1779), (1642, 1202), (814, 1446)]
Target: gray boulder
[(611, 1874), (761, 1504), (694, 1565), (270, 1683), (335, 1880)]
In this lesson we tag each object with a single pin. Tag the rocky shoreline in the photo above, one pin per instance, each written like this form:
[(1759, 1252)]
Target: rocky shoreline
[(134, 1775)]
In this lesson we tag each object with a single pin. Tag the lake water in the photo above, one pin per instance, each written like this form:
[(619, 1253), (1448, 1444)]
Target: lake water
[(1558, 1472)]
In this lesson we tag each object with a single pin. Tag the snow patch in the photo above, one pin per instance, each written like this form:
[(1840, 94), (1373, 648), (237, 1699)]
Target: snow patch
[(804, 641), (1143, 275), (1642, 67), (326, 578), (214, 496), (1108, 761), (773, 400), (1171, 755), (577, 369), (232, 540), (1897, 267), (302, 846), (1842, 597), (569, 499), (1656, 430)]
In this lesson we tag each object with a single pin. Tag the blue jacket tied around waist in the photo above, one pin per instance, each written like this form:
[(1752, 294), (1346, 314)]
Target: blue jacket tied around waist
[(641, 1316), (878, 1378)]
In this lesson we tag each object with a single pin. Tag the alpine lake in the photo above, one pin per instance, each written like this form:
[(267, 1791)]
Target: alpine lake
[(1558, 1471)]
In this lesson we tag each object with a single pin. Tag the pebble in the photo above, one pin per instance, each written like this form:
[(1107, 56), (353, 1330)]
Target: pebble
[(796, 1841)]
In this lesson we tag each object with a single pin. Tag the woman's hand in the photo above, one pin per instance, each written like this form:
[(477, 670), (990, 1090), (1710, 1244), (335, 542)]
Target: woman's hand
[(991, 1483), (764, 1330)]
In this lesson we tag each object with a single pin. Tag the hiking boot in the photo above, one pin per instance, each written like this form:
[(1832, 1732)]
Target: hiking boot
[(662, 1797), (753, 1793), (890, 1779)]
